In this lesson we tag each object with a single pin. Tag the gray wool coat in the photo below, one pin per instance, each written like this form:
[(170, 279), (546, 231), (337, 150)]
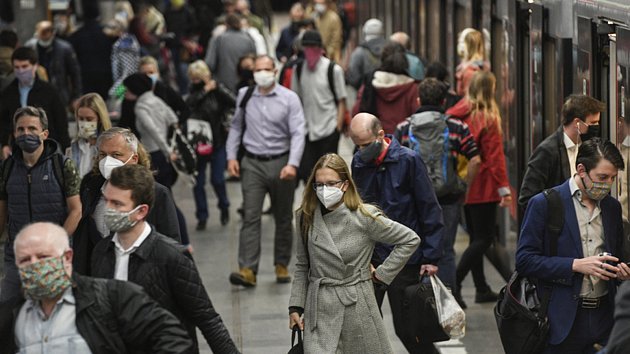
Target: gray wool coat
[(333, 284)]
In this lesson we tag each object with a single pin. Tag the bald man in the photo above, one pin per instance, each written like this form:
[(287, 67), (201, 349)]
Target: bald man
[(395, 178), (66, 312), (416, 66)]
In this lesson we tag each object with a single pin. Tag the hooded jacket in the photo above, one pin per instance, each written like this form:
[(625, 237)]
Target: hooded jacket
[(491, 181), (364, 60), (390, 97)]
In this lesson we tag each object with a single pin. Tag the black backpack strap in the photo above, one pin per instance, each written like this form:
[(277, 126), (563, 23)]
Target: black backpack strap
[(243, 107), (58, 162), (7, 165), (555, 221), (298, 71), (331, 80)]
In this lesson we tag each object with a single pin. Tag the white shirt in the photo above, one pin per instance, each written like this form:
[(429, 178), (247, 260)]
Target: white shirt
[(592, 239), (34, 333), (121, 270), (572, 150)]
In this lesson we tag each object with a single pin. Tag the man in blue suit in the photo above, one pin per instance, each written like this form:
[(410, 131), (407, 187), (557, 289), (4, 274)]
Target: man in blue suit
[(584, 275)]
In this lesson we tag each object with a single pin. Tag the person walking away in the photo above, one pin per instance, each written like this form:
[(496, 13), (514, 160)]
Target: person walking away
[(472, 52), (367, 56)]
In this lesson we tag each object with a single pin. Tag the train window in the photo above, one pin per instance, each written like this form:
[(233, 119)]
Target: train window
[(550, 86)]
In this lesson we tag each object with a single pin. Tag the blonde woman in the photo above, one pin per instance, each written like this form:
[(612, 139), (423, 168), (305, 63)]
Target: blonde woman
[(472, 51), (209, 102), (92, 119), (490, 187), (332, 287)]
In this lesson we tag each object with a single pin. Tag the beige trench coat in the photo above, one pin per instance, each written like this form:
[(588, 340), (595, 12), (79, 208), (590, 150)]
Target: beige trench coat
[(334, 284)]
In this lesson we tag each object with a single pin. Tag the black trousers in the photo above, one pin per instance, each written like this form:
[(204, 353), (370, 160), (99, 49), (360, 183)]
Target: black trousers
[(313, 150), (480, 221), (409, 275)]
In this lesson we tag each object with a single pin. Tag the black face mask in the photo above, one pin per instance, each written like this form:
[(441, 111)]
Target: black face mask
[(591, 132), (28, 143), (247, 74), (371, 152), (198, 86)]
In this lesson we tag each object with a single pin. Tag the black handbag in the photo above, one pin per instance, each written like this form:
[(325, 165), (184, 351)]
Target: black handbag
[(520, 314), (420, 314), (299, 347)]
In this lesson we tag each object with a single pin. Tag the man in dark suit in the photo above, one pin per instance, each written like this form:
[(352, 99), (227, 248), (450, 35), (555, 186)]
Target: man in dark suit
[(584, 274), (28, 90), (553, 161)]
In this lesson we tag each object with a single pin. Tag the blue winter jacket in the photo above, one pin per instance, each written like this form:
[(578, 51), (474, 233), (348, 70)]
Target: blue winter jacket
[(401, 187)]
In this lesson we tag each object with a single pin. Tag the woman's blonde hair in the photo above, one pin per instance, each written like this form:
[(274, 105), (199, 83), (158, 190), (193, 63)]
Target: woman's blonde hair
[(351, 197), (474, 48), (198, 69), (481, 97), (95, 102)]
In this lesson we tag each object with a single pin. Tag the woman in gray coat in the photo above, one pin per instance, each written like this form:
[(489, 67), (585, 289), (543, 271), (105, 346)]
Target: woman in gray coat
[(332, 287)]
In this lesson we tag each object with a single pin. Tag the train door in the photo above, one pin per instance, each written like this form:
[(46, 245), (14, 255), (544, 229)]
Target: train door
[(620, 119)]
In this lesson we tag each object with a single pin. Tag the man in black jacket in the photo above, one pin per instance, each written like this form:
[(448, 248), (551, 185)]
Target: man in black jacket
[(87, 314), (553, 161), (28, 90), (140, 255)]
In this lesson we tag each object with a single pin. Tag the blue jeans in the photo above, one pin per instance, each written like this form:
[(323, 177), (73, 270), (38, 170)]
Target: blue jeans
[(446, 271), (218, 163)]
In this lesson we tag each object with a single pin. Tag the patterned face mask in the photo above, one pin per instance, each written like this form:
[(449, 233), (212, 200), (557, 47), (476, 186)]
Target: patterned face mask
[(118, 221), (598, 190), (45, 279)]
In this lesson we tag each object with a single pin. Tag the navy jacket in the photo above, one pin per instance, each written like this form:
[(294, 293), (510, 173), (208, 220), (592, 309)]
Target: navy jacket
[(401, 187), (533, 246)]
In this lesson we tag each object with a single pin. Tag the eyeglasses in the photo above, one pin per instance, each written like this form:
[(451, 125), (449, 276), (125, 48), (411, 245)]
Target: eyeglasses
[(318, 185)]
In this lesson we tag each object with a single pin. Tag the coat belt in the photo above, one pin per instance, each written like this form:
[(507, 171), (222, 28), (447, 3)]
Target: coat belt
[(346, 297)]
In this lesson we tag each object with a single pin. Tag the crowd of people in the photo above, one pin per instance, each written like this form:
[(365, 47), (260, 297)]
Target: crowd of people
[(98, 250)]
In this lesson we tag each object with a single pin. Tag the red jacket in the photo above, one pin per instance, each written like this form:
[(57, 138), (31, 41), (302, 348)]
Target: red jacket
[(492, 173), (396, 100)]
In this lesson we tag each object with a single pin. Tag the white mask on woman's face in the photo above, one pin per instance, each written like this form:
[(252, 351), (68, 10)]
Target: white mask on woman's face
[(329, 196), (86, 130)]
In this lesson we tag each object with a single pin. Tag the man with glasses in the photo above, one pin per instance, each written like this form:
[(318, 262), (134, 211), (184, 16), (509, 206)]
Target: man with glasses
[(37, 183), (583, 271), (395, 179), (269, 128)]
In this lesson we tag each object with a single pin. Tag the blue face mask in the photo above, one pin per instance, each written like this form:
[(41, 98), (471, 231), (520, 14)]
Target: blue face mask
[(154, 78), (28, 143)]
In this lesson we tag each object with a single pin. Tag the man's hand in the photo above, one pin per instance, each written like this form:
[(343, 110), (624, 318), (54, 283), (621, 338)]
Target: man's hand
[(430, 269), (597, 266), (288, 173), (506, 201), (6, 152), (623, 271), (234, 169)]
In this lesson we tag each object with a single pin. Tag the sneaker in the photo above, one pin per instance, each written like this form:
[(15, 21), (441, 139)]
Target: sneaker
[(486, 296), (282, 274), (225, 216), (244, 277), (201, 225)]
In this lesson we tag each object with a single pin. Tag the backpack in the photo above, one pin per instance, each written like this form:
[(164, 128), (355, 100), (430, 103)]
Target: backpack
[(429, 137), (58, 161)]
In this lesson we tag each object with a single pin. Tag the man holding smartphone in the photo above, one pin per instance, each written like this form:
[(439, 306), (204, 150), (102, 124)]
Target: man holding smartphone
[(584, 274)]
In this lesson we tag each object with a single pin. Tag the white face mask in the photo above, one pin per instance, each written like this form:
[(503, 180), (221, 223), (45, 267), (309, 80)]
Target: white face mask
[(264, 78), (329, 196), (108, 164), (86, 130), (320, 8)]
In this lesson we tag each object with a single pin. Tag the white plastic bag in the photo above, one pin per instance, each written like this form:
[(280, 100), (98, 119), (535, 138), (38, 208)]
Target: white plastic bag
[(451, 316)]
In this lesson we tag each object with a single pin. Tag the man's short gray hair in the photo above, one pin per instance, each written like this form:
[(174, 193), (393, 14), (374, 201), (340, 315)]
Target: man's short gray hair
[(128, 135)]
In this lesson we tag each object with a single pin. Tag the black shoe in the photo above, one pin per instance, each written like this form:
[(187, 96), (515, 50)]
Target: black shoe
[(201, 225), (460, 301), (225, 216), (486, 296)]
